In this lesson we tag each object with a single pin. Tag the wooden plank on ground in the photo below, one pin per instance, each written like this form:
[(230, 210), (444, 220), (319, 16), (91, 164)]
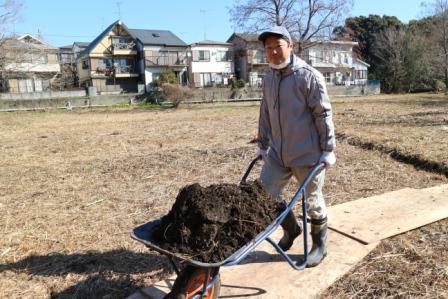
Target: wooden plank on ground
[(264, 274), (375, 218)]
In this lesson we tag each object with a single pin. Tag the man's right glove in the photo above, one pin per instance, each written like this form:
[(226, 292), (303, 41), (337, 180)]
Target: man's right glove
[(328, 158), (261, 153)]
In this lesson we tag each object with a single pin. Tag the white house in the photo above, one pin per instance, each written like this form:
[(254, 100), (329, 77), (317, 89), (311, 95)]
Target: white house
[(210, 63), (334, 59)]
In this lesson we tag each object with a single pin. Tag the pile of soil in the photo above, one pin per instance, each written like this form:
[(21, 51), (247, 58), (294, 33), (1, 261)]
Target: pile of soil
[(210, 223)]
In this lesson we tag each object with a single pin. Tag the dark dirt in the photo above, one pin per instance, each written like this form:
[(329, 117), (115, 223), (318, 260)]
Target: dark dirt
[(210, 223)]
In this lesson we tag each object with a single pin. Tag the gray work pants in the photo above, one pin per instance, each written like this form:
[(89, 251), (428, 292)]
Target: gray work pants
[(274, 178)]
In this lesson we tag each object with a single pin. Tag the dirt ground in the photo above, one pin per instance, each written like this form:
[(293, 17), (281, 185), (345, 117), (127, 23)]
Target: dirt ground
[(74, 184)]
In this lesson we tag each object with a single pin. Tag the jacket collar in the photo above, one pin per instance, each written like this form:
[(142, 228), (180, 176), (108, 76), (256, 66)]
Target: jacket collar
[(295, 64)]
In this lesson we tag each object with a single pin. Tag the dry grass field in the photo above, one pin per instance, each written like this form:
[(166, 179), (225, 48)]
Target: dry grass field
[(74, 184)]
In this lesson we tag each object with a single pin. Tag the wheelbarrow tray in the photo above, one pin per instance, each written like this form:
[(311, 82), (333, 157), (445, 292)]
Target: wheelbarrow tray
[(144, 234)]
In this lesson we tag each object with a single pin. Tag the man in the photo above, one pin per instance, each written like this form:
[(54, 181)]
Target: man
[(295, 133)]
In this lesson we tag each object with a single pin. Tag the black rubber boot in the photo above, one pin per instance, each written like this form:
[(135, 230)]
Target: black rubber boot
[(291, 230), (319, 236)]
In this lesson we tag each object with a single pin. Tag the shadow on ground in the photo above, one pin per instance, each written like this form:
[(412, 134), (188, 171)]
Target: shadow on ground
[(110, 274)]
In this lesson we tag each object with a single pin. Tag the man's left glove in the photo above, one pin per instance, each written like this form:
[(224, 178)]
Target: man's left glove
[(328, 158)]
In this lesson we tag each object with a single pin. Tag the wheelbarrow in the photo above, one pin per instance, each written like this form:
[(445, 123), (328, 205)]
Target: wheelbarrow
[(202, 280)]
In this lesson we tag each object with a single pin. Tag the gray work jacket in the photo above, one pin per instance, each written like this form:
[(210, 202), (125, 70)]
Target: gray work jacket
[(295, 115)]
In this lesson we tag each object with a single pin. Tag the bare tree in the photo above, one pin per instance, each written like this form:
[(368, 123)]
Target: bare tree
[(389, 53), (256, 15), (306, 20), (439, 10), (9, 11)]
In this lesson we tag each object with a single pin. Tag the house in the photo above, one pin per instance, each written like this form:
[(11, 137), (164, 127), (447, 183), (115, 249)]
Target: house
[(335, 60), (66, 55), (69, 53), (250, 59), (29, 64), (160, 51), (210, 63), (78, 47), (67, 58), (109, 62)]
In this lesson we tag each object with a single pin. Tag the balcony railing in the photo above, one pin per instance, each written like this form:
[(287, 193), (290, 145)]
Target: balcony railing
[(165, 60), (120, 69), (123, 46)]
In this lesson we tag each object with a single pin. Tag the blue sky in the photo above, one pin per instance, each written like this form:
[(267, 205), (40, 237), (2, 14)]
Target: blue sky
[(63, 22)]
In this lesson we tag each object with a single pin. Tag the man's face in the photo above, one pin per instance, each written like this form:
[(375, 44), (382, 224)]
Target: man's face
[(277, 49)]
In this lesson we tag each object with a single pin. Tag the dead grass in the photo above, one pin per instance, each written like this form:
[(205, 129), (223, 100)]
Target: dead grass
[(74, 184), (412, 124)]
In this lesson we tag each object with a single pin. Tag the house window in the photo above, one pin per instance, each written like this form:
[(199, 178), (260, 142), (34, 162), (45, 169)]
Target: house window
[(169, 57), (327, 76), (320, 56), (201, 55), (224, 56), (124, 65), (104, 65), (206, 79), (361, 74), (259, 56), (41, 58), (85, 64), (105, 62)]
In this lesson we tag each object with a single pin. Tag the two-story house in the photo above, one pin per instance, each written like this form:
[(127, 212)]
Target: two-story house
[(28, 64), (335, 60), (160, 51), (109, 63), (210, 63), (250, 59)]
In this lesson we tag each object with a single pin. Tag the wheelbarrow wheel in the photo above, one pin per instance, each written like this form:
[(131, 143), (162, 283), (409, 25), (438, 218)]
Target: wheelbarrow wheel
[(191, 280)]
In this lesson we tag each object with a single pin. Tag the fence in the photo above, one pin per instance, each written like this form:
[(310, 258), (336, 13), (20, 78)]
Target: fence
[(80, 98), (43, 95)]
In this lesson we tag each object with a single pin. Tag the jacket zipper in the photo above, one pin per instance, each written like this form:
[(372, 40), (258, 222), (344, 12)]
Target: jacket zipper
[(279, 121)]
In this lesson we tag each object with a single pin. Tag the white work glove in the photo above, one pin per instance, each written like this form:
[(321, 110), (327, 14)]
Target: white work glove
[(328, 158), (261, 152)]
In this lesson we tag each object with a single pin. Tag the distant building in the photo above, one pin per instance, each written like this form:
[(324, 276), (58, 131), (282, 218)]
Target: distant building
[(335, 60), (78, 47), (109, 62), (210, 63), (67, 58), (30, 64), (250, 59)]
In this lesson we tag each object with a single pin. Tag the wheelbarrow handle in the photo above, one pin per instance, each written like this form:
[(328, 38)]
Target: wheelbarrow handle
[(249, 168)]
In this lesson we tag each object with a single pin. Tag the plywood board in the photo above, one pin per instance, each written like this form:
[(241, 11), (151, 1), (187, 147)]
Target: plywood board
[(375, 218), (264, 274)]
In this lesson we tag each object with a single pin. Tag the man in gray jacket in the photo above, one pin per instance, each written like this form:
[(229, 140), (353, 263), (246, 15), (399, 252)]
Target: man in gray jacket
[(296, 132)]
